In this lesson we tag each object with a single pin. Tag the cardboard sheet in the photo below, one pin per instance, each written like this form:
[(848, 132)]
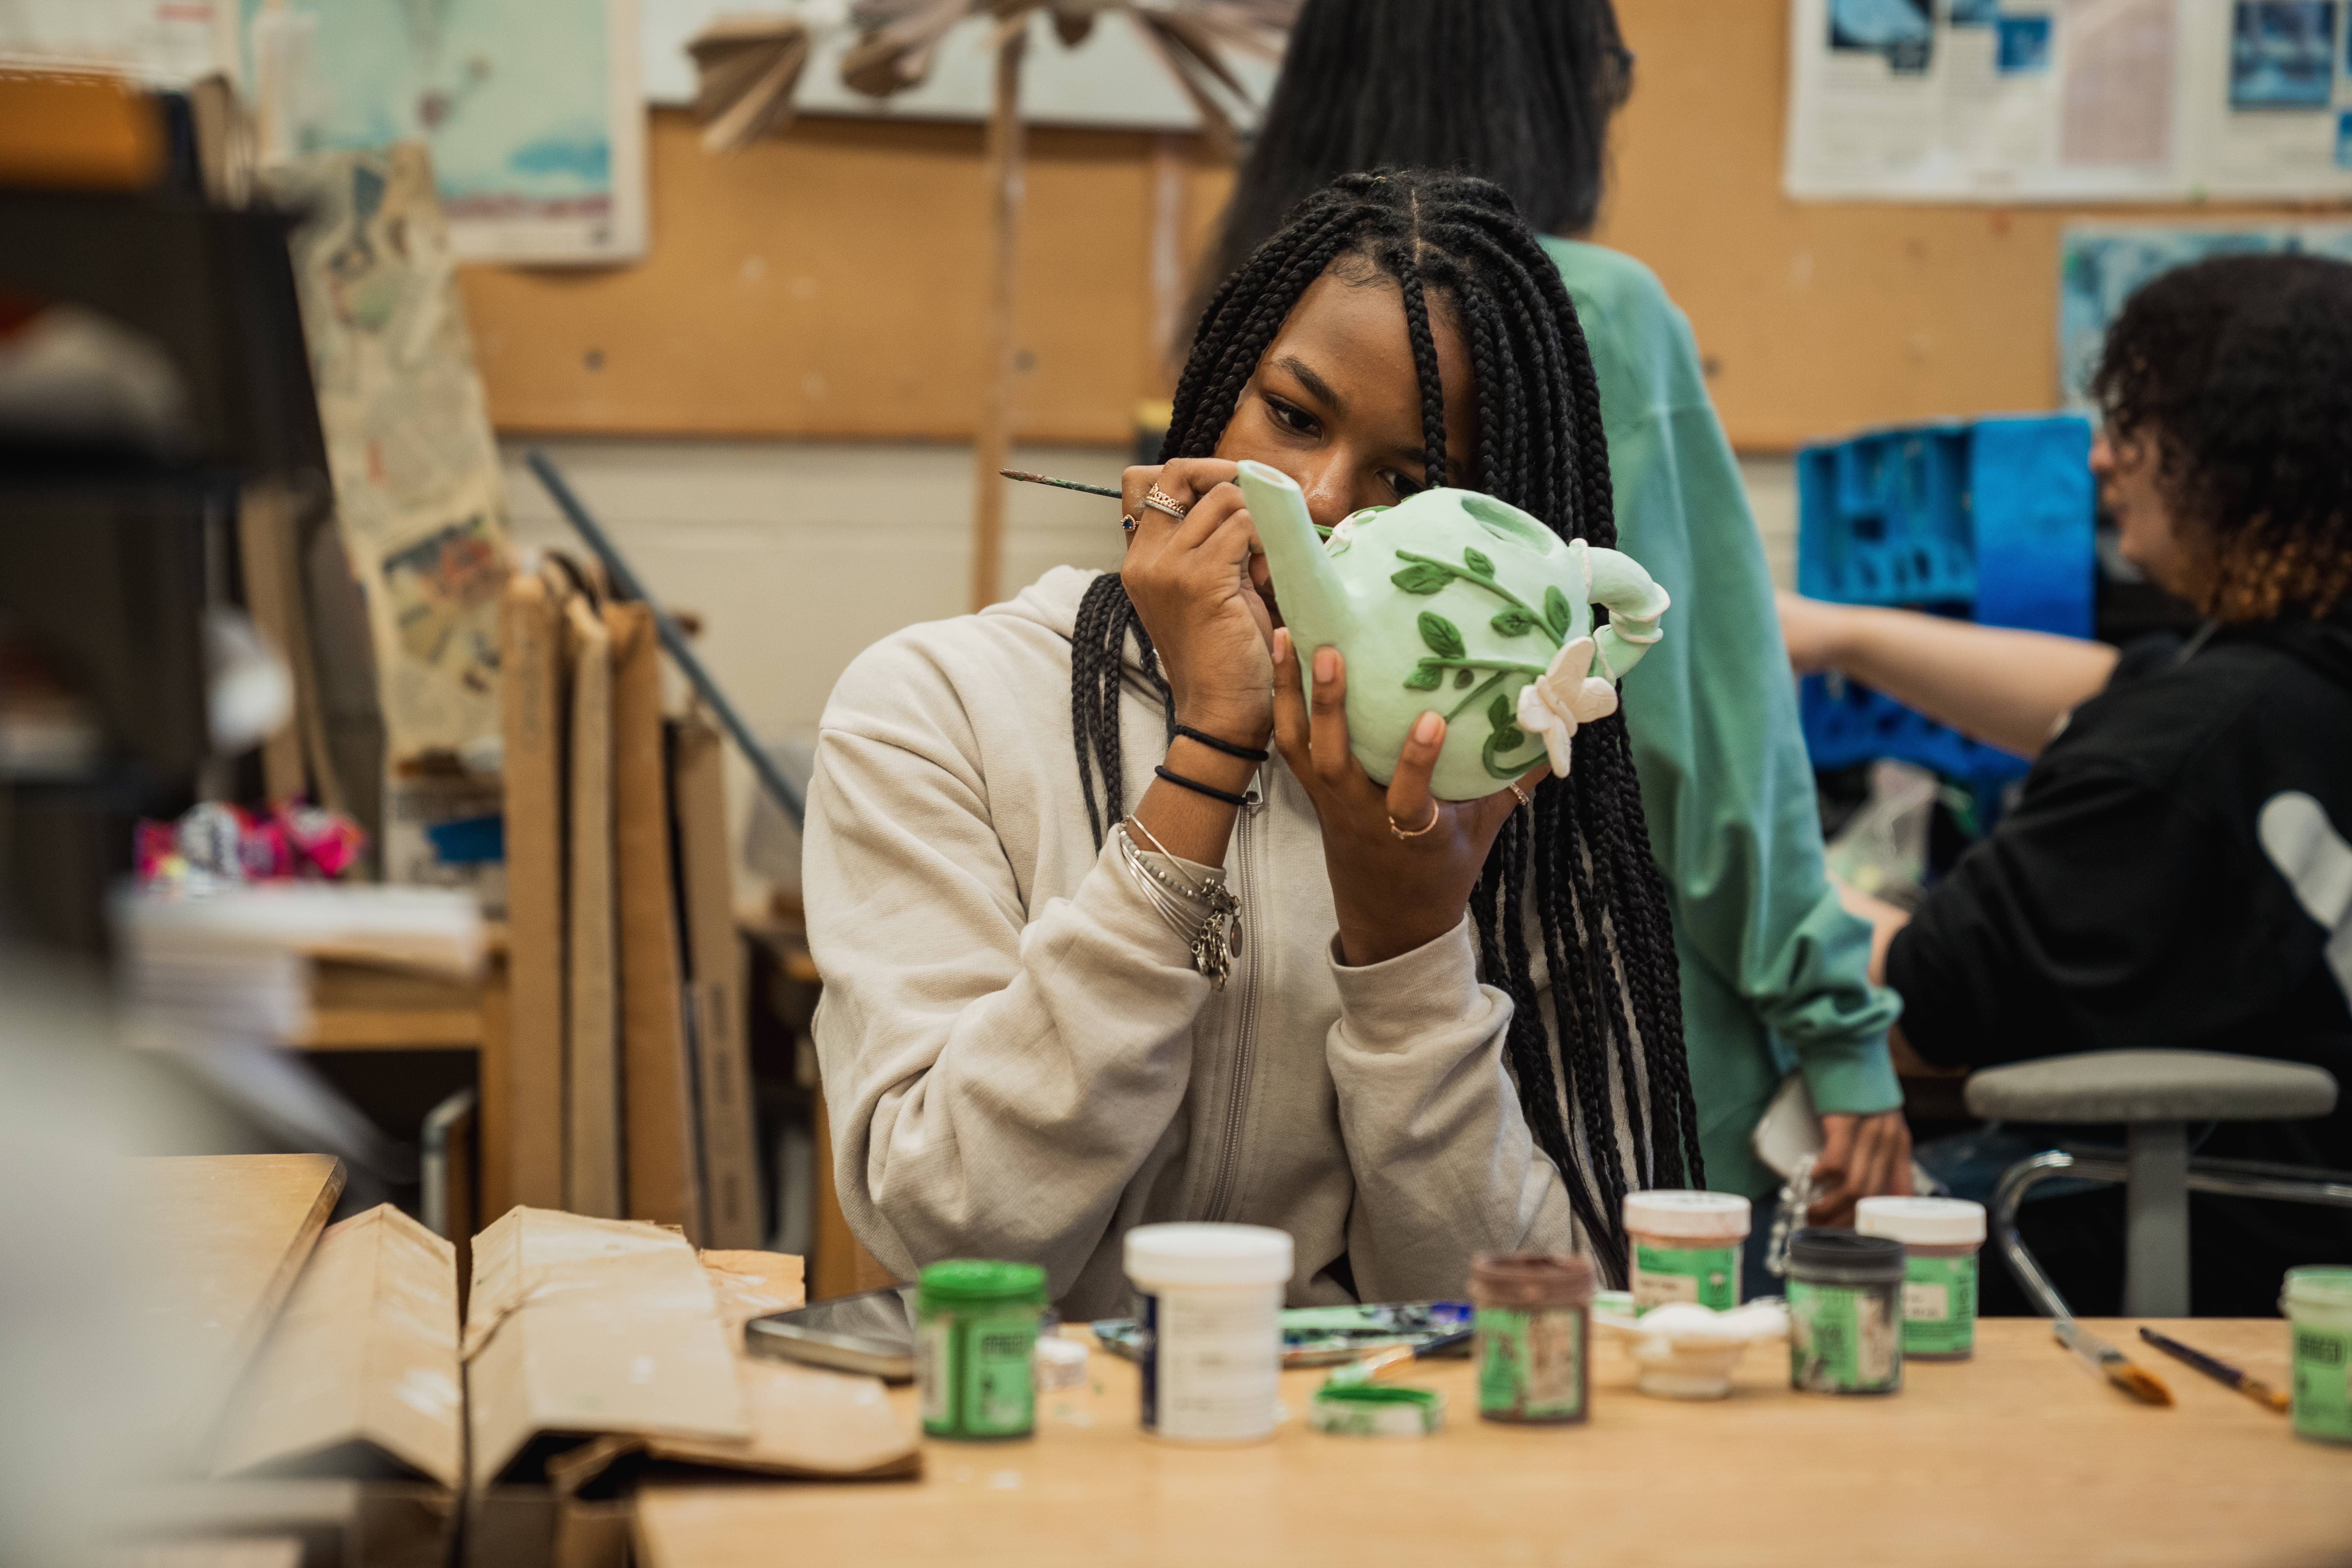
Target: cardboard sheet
[(529, 1099), (664, 1176), (579, 1327), (591, 1154), (221, 1240), (360, 1378), (715, 985)]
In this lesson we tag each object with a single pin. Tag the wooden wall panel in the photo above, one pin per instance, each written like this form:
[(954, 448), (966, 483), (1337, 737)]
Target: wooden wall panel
[(829, 282), (1819, 317)]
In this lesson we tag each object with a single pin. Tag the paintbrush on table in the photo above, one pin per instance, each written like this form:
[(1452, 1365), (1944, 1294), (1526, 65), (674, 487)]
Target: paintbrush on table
[(2111, 1364), (2219, 1371), (1383, 1361)]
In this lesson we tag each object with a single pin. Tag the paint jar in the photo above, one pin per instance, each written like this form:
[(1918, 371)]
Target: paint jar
[(1208, 1316), (1940, 1237), (1533, 1321), (2317, 1302), (975, 1332), (1685, 1246), (1845, 1312)]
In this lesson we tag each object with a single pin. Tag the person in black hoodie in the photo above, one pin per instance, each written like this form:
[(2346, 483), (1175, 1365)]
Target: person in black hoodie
[(2176, 872)]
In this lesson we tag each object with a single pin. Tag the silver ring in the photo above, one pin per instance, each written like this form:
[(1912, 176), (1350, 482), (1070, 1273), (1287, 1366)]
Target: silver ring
[(1158, 500), (1523, 799)]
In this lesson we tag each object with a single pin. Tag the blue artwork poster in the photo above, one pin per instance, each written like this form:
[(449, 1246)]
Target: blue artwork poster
[(2021, 42), (2282, 54), (530, 112)]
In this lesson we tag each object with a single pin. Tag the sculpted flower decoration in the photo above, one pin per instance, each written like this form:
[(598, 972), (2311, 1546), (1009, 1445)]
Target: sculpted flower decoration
[(1564, 696)]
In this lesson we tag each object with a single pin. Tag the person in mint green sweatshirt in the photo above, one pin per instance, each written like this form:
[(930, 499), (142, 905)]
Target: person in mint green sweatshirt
[(1774, 971)]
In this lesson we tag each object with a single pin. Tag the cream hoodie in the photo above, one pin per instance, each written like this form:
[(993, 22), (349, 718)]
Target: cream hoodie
[(1019, 1060)]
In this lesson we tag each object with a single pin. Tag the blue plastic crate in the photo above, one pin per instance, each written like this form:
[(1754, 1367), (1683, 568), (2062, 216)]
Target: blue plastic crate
[(1990, 519)]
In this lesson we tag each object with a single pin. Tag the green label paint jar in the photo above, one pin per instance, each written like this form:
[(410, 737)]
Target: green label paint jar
[(1845, 1312), (1941, 1239), (2318, 1307), (1685, 1246), (1532, 1323), (975, 1332)]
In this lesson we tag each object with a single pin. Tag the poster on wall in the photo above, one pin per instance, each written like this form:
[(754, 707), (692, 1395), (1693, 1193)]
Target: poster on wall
[(2100, 265), (418, 499), (2019, 100), (170, 42), (533, 112)]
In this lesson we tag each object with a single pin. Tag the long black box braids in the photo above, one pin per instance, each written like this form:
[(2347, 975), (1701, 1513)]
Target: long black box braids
[(1600, 911)]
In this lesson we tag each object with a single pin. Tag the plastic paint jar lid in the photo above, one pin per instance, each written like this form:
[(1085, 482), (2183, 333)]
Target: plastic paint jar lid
[(1922, 1222), (970, 1281), (1678, 1214), (1191, 1253), (1531, 1279), (2320, 1292), (1845, 1257)]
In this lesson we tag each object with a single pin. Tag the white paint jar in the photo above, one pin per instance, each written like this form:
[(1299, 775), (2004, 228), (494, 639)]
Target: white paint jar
[(1208, 1313), (1684, 1246)]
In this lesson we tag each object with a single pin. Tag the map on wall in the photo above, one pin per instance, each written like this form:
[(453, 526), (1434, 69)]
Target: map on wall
[(531, 111), (2101, 264)]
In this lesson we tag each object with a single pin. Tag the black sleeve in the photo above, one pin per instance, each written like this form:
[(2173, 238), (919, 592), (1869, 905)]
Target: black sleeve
[(2102, 914)]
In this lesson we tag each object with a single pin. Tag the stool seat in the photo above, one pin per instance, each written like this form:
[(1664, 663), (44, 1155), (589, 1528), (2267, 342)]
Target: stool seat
[(2151, 1085)]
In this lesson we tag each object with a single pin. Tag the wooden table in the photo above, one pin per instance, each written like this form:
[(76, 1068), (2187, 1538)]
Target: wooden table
[(2017, 1457)]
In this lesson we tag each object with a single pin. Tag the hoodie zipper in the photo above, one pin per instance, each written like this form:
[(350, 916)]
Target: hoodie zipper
[(1229, 1147)]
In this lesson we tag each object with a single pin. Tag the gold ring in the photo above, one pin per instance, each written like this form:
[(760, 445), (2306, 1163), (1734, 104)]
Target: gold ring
[(1433, 814), (1128, 523), (1523, 799), (1158, 500)]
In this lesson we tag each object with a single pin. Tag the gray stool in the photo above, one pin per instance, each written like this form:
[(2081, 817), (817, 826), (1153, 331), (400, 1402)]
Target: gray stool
[(2155, 1094)]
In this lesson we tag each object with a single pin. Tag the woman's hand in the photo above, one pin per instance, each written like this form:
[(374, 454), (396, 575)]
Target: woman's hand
[(1190, 582), (1393, 894), (1860, 1157)]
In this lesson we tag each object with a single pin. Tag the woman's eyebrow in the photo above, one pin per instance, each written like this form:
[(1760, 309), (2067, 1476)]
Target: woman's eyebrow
[(1315, 384)]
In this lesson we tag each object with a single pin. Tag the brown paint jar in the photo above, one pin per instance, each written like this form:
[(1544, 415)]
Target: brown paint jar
[(1533, 1323)]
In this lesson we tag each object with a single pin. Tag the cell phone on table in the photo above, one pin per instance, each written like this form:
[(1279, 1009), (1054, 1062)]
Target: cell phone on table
[(873, 1332)]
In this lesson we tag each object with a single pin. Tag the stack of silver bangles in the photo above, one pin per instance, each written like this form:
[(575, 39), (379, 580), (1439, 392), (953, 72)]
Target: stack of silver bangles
[(1204, 912)]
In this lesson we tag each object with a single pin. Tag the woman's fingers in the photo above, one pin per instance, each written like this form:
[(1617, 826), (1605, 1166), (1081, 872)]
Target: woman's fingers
[(1289, 706), (1410, 802), (1327, 716), (1492, 811)]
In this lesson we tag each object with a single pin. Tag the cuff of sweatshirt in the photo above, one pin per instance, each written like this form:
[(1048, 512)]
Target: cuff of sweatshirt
[(1110, 894), (1393, 1003), (1853, 1076)]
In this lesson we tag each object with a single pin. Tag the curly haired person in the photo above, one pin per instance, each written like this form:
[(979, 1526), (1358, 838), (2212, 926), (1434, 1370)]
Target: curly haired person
[(2178, 870)]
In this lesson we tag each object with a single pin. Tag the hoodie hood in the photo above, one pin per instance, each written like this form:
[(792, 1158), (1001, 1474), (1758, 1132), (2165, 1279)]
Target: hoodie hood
[(2325, 645), (1052, 602)]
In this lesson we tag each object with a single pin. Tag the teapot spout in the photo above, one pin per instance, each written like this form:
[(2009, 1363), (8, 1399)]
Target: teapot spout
[(1306, 586)]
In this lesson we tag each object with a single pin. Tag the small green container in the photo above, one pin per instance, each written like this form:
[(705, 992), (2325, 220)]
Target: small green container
[(976, 1329), (2317, 1302), (1845, 1312)]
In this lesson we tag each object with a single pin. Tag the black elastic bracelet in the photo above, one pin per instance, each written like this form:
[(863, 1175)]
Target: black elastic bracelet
[(1197, 787), (1246, 753)]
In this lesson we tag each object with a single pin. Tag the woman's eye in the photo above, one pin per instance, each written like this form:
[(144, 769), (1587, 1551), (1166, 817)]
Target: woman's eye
[(1398, 485), (1290, 418)]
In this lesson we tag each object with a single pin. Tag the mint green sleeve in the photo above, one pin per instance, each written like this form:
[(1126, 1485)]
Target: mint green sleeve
[(1725, 783)]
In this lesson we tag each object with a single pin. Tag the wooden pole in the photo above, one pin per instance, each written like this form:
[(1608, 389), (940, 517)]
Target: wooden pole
[(993, 447)]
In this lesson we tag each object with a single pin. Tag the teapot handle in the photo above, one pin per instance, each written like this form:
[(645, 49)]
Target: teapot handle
[(1634, 602)]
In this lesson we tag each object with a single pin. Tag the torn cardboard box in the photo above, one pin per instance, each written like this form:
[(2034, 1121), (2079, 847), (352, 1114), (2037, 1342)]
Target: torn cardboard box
[(360, 1378), (599, 1351)]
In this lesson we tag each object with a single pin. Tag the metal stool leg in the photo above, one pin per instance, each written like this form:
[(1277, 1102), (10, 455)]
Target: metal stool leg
[(2156, 1221)]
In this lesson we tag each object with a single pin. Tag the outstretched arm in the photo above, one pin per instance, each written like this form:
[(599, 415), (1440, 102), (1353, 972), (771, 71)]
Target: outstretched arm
[(1999, 685)]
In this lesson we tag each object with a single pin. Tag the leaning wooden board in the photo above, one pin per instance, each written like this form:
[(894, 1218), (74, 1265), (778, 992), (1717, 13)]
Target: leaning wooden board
[(219, 1241), (2014, 1457)]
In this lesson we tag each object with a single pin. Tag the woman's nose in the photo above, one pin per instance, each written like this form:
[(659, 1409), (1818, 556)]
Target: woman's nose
[(1329, 496), (2102, 455)]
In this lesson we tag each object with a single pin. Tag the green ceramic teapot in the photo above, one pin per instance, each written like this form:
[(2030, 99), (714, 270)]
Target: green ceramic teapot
[(1457, 601)]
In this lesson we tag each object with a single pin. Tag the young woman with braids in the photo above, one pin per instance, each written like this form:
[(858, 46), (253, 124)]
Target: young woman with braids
[(1447, 1029), (1773, 971)]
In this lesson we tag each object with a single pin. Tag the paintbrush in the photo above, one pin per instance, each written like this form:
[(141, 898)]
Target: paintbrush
[(1381, 1360), (2219, 1371), (1027, 477), (2111, 1364)]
